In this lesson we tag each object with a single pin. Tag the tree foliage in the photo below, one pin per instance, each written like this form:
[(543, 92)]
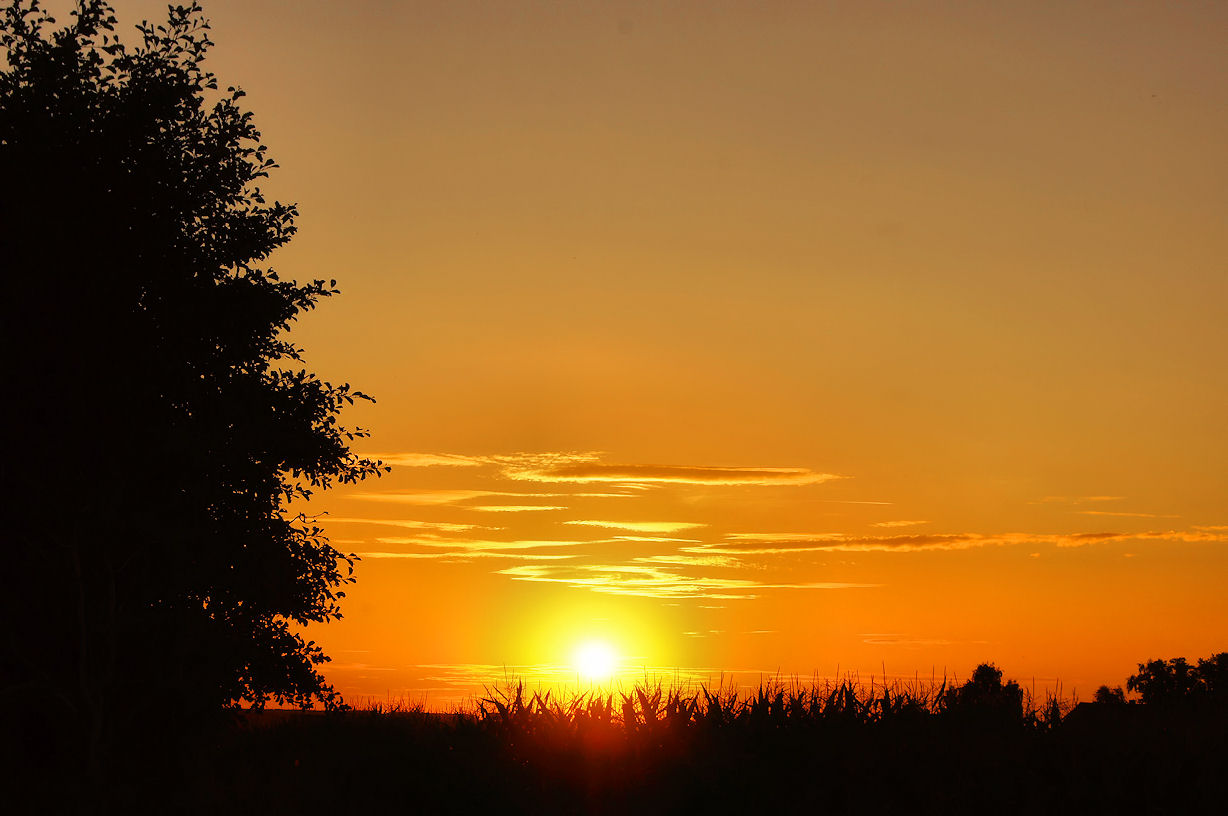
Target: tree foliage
[(1106, 695), (986, 698), (1165, 682), (162, 421)]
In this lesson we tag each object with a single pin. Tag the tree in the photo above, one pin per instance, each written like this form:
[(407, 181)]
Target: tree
[(1175, 681), (984, 697), (162, 423), (1110, 696)]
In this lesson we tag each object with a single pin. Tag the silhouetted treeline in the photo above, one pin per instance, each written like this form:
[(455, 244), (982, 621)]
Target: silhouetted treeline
[(983, 745), (1176, 682)]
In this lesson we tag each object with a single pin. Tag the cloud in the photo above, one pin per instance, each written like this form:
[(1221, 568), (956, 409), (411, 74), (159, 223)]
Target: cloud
[(691, 560), (749, 544), (601, 495), (656, 539), (444, 526), (897, 523), (437, 497), (589, 471), (785, 543), (784, 537), (429, 459), (1076, 499), (1197, 535), (853, 501), (462, 544), (464, 555), (545, 459), (586, 467), (1126, 515), (641, 526), (909, 642), (425, 497), (513, 508), (459, 549), (654, 582)]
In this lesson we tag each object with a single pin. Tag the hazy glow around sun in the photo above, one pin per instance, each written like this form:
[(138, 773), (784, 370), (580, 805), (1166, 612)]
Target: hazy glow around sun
[(595, 660)]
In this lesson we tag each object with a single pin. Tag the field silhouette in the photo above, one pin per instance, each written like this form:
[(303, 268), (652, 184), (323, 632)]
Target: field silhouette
[(983, 745)]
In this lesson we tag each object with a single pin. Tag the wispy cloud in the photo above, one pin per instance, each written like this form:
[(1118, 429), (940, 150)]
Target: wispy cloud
[(439, 497), (425, 497), (910, 642), (513, 508), (781, 544), (445, 526), (588, 472), (465, 555), (855, 501), (1125, 515), (1076, 499), (429, 546), (784, 537), (429, 459), (654, 582), (1197, 535), (898, 523), (785, 543), (464, 544), (586, 467), (691, 560), (641, 526)]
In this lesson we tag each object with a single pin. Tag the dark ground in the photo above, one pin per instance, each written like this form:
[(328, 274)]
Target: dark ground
[(1097, 760)]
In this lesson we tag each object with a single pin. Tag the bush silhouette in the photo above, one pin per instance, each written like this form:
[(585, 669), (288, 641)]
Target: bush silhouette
[(163, 421)]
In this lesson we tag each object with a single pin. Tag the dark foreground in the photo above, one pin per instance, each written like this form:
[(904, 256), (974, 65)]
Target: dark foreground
[(828, 751)]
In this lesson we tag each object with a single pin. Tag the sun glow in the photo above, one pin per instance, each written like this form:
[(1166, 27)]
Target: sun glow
[(595, 660)]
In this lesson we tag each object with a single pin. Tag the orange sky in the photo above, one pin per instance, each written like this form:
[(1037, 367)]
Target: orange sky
[(759, 337)]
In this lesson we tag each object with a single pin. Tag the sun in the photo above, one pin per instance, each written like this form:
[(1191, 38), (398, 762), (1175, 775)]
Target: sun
[(595, 660)]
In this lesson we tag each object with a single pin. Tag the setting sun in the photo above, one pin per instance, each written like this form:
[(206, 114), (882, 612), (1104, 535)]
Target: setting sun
[(595, 660)]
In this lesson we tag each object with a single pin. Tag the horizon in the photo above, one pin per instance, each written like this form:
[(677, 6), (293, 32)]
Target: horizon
[(800, 340)]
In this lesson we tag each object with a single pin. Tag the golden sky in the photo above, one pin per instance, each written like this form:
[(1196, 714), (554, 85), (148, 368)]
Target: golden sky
[(762, 337)]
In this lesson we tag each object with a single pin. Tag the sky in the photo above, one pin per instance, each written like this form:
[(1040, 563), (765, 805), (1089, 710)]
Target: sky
[(760, 339)]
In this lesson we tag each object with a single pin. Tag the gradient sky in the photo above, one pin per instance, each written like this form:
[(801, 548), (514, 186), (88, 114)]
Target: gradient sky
[(762, 337)]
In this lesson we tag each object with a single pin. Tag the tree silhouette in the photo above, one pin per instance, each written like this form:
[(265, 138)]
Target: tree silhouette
[(1110, 696), (161, 422), (985, 698), (1166, 682)]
